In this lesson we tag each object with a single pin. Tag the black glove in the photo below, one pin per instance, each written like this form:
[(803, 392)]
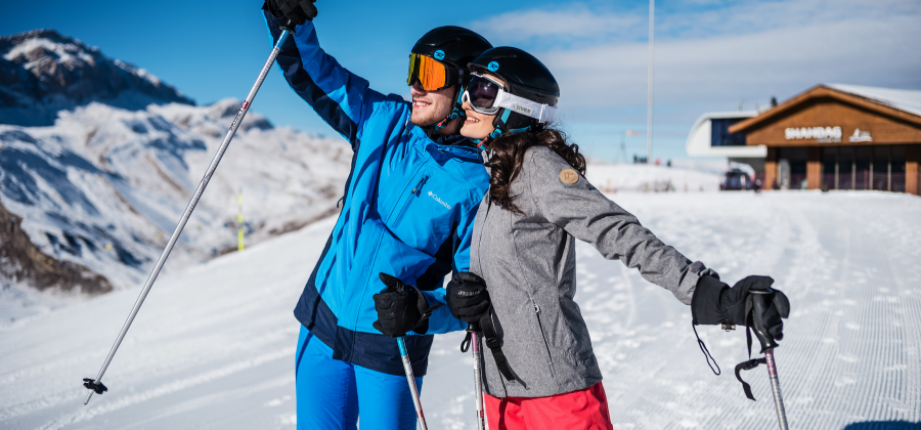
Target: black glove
[(298, 11), (467, 297), (401, 308), (715, 303)]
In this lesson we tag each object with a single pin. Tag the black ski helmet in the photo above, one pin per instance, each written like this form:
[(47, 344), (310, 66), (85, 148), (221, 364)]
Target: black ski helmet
[(454, 47), (525, 76)]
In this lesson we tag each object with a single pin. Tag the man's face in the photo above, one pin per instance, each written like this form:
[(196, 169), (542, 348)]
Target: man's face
[(429, 107)]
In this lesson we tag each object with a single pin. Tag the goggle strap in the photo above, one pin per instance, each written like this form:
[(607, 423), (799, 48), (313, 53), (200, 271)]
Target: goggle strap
[(543, 113)]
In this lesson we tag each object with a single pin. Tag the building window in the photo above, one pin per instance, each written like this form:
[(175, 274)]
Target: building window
[(720, 135), (880, 167)]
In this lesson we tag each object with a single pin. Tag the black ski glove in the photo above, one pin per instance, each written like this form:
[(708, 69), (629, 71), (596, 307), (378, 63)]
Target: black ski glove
[(298, 11), (467, 297), (401, 308), (715, 303)]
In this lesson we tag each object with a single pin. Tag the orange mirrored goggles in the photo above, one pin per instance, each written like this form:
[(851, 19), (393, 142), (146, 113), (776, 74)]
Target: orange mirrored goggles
[(432, 74)]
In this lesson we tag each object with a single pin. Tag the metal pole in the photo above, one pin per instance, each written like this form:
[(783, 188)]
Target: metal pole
[(188, 210), (775, 387), (411, 379), (478, 381), (652, 15)]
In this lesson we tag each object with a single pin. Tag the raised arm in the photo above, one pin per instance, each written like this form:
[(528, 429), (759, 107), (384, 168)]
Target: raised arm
[(336, 94), (581, 210)]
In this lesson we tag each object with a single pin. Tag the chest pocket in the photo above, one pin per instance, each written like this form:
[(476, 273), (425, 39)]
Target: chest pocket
[(422, 218)]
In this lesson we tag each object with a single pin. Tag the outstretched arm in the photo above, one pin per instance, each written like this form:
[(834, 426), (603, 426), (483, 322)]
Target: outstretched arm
[(580, 209), (336, 94)]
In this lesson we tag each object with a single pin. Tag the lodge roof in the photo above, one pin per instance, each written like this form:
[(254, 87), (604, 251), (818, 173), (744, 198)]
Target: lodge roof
[(901, 104)]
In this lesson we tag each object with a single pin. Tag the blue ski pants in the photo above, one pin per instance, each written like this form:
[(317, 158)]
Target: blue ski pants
[(332, 394)]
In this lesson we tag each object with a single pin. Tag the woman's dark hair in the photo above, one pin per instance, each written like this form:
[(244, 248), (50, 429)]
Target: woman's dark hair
[(508, 156)]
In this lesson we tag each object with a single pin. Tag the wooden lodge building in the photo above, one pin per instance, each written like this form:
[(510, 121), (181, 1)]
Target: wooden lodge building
[(840, 137)]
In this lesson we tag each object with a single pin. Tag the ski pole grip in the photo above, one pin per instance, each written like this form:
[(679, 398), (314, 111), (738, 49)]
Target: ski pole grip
[(288, 25), (758, 308)]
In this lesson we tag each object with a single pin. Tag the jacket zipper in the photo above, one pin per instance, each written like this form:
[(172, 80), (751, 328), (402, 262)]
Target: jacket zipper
[(542, 335), (412, 193)]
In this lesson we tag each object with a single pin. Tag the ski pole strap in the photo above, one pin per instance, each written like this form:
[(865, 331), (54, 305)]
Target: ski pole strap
[(471, 328), (98, 387), (703, 348), (748, 365), (495, 345)]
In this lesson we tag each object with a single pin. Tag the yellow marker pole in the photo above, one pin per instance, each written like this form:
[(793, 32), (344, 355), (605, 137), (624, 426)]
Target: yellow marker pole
[(240, 221)]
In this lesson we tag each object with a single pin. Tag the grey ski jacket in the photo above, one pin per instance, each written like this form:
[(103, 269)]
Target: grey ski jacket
[(529, 265)]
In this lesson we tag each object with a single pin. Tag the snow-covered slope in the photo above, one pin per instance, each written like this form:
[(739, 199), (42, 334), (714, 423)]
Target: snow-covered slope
[(616, 178), (105, 186), (213, 346), (43, 72)]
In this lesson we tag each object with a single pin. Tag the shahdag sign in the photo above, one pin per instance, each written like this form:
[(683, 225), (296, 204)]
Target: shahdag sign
[(828, 134), (825, 134)]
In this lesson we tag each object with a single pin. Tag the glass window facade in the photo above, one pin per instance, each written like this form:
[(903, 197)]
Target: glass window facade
[(720, 135), (878, 167)]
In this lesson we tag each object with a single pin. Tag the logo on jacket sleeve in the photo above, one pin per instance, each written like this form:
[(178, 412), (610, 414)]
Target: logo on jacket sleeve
[(441, 202), (569, 176)]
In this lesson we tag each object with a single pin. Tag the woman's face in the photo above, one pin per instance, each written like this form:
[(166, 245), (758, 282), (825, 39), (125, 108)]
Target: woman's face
[(477, 125)]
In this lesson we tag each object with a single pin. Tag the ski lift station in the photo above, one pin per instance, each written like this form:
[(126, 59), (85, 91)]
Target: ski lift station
[(837, 137)]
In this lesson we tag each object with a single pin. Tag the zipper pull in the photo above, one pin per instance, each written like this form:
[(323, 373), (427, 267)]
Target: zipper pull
[(536, 308), (420, 184)]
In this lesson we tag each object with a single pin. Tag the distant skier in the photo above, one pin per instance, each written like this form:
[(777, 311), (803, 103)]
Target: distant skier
[(407, 211), (521, 285)]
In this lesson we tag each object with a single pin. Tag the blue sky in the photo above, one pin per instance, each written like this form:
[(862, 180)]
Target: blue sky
[(711, 55)]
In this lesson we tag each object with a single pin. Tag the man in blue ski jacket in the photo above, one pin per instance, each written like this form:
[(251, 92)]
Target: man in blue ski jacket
[(407, 218)]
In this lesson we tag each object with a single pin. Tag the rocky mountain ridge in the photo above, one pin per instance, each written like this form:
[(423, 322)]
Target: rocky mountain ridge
[(88, 202), (43, 72)]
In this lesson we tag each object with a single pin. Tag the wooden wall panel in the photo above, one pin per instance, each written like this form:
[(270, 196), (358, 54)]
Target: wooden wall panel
[(770, 169), (912, 172), (827, 112), (814, 168)]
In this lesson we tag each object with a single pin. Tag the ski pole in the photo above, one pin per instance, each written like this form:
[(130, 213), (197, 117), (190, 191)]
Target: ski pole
[(472, 330), (767, 347), (95, 385), (410, 377), (477, 378)]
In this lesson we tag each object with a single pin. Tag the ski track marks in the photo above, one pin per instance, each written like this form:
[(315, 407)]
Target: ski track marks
[(213, 346), (849, 263)]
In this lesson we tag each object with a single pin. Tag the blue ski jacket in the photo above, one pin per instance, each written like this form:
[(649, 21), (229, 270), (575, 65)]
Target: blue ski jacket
[(408, 210)]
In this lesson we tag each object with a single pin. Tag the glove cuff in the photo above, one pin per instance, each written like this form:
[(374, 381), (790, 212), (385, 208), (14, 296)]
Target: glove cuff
[(705, 304), (425, 311)]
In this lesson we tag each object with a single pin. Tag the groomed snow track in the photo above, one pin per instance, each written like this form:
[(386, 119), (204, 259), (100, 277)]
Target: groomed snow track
[(213, 347)]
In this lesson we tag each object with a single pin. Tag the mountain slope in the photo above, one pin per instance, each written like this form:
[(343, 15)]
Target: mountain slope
[(105, 186), (98, 159), (43, 72)]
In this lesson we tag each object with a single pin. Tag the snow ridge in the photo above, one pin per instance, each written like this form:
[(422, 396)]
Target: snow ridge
[(44, 72), (104, 187)]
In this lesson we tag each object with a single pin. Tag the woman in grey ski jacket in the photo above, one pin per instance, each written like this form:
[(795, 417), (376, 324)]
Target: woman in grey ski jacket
[(520, 291)]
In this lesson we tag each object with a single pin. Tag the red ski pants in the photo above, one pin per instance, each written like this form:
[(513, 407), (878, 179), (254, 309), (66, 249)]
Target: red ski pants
[(585, 409)]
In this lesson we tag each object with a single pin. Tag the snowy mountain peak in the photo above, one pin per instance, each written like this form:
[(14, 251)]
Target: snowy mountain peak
[(44, 72)]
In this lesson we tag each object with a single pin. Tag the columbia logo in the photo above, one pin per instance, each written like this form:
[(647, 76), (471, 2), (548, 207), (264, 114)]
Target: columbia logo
[(441, 202), (523, 109)]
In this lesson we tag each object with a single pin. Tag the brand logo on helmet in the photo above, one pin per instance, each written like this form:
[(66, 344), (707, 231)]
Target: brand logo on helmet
[(439, 55), (522, 109), (493, 66)]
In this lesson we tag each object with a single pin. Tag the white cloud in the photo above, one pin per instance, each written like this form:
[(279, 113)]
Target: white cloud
[(574, 23), (710, 60)]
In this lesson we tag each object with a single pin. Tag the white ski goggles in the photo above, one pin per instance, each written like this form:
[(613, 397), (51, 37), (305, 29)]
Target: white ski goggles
[(486, 96)]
